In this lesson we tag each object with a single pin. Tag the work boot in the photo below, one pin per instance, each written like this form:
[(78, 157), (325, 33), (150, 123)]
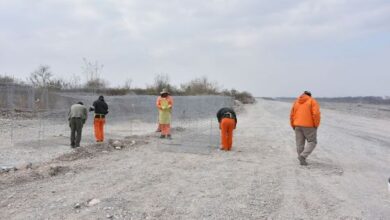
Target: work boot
[(162, 136), (302, 160), (72, 146), (169, 136)]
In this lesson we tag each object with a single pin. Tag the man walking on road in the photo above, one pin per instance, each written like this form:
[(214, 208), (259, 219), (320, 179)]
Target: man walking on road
[(101, 110), (305, 118), (77, 117), (227, 123)]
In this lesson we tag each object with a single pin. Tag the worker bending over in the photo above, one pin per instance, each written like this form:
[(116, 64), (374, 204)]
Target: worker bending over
[(77, 116), (227, 123)]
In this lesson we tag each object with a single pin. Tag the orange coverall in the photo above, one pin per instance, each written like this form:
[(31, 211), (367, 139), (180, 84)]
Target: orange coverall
[(227, 127), (99, 128), (100, 108)]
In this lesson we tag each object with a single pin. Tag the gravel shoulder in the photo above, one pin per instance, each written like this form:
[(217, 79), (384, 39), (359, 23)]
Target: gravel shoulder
[(260, 179)]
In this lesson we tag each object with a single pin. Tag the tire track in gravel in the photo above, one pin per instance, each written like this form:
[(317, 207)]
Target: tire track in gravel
[(343, 170), (304, 195)]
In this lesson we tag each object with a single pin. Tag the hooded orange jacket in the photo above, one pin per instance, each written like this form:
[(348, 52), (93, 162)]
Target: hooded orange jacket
[(305, 112)]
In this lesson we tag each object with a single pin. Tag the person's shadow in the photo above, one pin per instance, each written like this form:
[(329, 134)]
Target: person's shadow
[(325, 168)]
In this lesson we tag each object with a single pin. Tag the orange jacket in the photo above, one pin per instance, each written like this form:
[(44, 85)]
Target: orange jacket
[(158, 101), (305, 112)]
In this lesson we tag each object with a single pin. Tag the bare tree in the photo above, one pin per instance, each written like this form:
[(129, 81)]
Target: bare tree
[(7, 79), (96, 84), (128, 84), (162, 81), (200, 86), (58, 84), (41, 77), (92, 71), (74, 82)]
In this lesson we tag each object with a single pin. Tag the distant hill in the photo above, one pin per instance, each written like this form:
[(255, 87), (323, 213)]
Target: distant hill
[(377, 100)]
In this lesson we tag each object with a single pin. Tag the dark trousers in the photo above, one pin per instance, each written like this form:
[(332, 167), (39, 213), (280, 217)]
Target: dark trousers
[(76, 126)]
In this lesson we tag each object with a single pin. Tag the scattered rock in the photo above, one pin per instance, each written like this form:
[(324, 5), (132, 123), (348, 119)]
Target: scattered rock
[(133, 142), (6, 169), (93, 202), (24, 166), (180, 129), (116, 144), (55, 170), (77, 206), (109, 216), (28, 165)]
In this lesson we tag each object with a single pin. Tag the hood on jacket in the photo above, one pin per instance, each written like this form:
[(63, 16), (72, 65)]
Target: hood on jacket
[(101, 98), (303, 98)]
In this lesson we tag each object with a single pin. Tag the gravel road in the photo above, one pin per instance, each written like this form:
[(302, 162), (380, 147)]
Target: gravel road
[(260, 179)]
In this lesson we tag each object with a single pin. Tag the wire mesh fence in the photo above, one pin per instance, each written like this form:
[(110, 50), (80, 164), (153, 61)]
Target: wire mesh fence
[(34, 122), (192, 136)]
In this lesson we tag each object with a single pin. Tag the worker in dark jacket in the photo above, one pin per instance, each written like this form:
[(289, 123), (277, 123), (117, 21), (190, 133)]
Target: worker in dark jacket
[(100, 108), (77, 117), (227, 123)]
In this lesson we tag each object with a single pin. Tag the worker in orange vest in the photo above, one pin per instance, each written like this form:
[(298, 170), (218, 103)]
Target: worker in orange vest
[(305, 118), (227, 123)]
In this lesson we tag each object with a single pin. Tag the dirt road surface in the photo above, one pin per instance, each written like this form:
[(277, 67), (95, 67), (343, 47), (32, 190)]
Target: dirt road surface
[(260, 179)]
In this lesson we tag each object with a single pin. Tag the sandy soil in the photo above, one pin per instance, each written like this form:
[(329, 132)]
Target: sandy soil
[(260, 179)]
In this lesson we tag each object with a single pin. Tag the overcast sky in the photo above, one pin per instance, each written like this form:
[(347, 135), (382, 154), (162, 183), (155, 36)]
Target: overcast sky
[(269, 48)]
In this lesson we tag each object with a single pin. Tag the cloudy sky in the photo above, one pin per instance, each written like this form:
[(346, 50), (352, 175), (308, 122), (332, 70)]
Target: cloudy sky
[(269, 48)]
